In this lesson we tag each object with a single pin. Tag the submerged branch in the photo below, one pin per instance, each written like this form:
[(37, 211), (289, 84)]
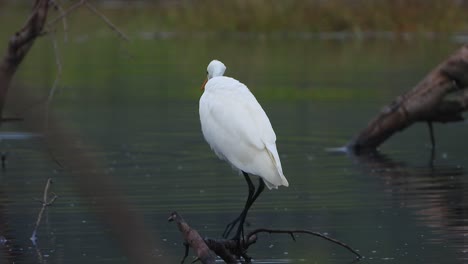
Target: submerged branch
[(193, 239), (230, 250), (300, 231)]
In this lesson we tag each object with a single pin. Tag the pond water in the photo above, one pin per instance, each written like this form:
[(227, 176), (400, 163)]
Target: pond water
[(135, 107)]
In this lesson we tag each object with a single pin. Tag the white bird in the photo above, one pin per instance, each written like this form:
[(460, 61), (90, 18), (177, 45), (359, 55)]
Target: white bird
[(239, 132)]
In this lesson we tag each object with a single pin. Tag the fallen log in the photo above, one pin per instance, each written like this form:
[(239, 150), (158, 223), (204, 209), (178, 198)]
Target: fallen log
[(440, 97)]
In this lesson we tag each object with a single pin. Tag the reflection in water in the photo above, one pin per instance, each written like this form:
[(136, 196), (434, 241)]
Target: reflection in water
[(436, 195)]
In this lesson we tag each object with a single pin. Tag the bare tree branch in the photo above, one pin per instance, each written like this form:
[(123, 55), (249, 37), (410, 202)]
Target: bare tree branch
[(442, 96), (19, 45), (107, 21), (299, 231), (92, 9), (65, 13), (230, 250), (193, 239), (64, 19)]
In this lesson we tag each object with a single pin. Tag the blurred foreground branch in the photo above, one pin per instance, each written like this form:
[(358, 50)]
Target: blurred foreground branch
[(21, 42), (18, 47), (442, 96), (95, 186)]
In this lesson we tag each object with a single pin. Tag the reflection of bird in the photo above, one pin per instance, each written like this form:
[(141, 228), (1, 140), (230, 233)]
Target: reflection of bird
[(238, 130)]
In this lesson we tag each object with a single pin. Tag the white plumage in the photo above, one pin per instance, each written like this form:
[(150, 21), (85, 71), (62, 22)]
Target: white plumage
[(237, 129)]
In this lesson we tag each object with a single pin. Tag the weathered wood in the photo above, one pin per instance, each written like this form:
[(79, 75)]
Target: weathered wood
[(231, 250), (440, 97), (223, 248), (193, 239)]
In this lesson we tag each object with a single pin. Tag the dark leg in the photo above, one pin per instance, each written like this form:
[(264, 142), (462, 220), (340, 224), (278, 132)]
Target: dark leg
[(251, 187), (261, 187), (431, 133), (240, 227), (230, 226)]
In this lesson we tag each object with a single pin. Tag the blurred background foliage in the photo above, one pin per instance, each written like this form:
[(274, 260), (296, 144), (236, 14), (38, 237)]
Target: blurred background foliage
[(355, 16), (178, 36)]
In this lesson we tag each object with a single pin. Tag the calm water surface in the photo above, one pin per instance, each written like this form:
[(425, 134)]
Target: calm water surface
[(135, 107)]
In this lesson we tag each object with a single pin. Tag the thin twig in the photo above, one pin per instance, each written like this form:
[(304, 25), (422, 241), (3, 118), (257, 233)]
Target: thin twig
[(45, 203), (46, 190), (52, 91), (64, 19), (292, 232), (106, 20), (40, 258), (65, 13), (57, 77)]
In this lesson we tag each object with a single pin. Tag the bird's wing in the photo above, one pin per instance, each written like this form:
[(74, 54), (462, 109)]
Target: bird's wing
[(239, 114), (265, 133)]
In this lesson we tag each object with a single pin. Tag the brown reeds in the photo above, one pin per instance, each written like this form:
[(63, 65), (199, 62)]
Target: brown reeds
[(313, 15)]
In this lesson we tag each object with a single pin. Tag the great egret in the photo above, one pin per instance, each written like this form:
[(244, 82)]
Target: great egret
[(239, 132)]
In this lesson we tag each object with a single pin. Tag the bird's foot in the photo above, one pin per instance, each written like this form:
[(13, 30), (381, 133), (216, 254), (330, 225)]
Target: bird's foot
[(240, 239)]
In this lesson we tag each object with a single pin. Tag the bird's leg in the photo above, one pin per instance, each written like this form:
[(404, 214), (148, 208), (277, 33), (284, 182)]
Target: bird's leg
[(240, 227), (260, 188), (231, 225), (431, 133)]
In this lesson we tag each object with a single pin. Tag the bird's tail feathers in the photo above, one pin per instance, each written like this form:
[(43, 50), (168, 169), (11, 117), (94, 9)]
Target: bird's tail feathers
[(276, 160)]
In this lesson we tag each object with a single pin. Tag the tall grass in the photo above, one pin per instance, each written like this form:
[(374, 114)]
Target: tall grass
[(354, 16)]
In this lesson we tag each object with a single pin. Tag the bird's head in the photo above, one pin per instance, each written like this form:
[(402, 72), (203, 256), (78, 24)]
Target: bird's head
[(214, 69)]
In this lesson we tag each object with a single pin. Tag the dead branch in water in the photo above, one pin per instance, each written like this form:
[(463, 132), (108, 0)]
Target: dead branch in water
[(192, 239), (299, 231), (230, 250), (440, 97)]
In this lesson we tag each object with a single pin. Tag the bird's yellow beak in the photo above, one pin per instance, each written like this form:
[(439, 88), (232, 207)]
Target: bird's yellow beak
[(203, 85)]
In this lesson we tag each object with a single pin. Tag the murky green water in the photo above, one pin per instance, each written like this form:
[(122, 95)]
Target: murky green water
[(135, 107)]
